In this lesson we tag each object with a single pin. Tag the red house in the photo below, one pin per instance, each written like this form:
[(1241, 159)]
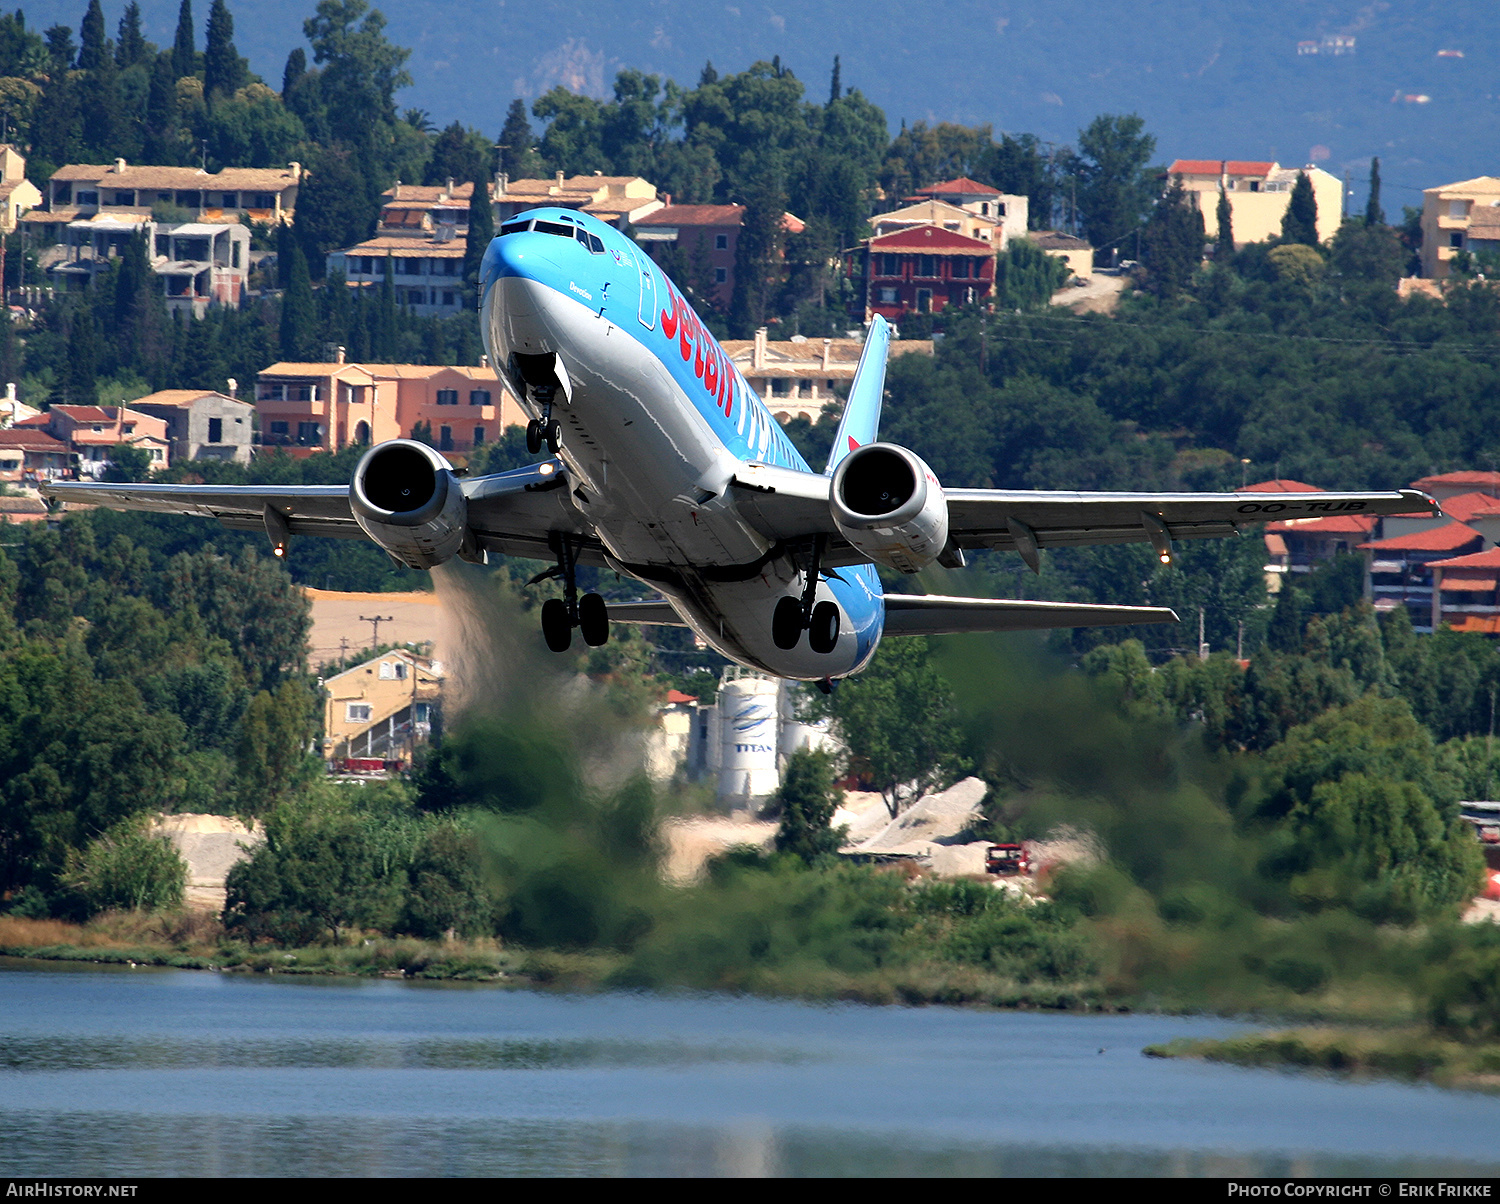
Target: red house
[(922, 270)]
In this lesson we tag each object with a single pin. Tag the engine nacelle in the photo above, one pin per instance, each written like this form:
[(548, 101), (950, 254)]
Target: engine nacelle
[(889, 505), (407, 499)]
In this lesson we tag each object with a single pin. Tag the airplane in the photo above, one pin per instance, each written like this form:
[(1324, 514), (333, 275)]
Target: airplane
[(665, 466)]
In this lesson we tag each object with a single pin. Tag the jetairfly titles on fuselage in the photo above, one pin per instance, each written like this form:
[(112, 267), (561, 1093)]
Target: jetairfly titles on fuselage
[(654, 420)]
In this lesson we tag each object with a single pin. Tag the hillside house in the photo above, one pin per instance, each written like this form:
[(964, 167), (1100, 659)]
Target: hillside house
[(1259, 193), (1011, 212), (921, 270), (1459, 217), (796, 378), (310, 407), (383, 708), (617, 201), (90, 433), (421, 240), (203, 424)]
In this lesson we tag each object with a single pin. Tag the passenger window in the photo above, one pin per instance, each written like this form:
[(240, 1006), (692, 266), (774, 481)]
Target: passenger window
[(515, 227)]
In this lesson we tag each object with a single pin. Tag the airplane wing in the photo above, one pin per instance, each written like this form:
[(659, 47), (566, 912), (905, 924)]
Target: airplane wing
[(513, 513), (785, 504), (931, 614)]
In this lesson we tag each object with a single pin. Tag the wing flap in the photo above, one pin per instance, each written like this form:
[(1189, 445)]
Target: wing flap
[(932, 614), (656, 611), (984, 517)]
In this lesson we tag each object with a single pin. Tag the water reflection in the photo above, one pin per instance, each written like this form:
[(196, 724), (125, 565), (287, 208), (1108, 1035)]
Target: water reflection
[(156, 1073)]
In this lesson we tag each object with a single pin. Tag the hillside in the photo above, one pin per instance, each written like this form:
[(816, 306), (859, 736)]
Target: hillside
[(1211, 77)]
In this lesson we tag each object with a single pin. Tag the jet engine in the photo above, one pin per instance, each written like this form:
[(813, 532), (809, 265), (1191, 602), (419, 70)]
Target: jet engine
[(887, 503), (407, 499)]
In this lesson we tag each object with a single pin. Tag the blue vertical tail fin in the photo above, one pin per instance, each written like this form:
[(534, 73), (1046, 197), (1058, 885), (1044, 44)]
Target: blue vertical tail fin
[(861, 421)]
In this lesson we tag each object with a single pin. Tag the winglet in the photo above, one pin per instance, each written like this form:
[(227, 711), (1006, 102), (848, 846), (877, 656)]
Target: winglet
[(861, 421)]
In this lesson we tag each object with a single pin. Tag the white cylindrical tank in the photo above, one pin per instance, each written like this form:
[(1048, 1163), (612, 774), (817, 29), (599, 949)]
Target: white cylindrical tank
[(798, 733), (747, 727)]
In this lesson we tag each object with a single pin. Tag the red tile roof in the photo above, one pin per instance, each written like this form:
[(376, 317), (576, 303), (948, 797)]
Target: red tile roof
[(1475, 560), (677, 696), (1214, 167), (1480, 480), (1280, 485), (694, 215), (1465, 506), (1332, 524), (1449, 537), (31, 440), (963, 184)]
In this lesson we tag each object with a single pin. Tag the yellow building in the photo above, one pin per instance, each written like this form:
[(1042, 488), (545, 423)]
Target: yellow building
[(1459, 217), (17, 193), (1259, 193), (382, 708)]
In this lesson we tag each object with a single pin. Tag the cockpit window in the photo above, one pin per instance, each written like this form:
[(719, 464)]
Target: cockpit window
[(596, 244), (554, 228), (515, 227)]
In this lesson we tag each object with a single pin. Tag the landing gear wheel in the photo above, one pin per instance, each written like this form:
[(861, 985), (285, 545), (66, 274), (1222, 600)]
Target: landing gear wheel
[(823, 635), (593, 620), (557, 628), (552, 432), (786, 623), (533, 437)]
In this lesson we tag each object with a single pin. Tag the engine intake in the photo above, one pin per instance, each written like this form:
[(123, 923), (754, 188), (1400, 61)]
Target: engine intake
[(406, 498), (889, 505)]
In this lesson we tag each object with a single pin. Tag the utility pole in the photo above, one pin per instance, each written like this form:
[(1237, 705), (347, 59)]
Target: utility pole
[(1202, 647), (375, 621)]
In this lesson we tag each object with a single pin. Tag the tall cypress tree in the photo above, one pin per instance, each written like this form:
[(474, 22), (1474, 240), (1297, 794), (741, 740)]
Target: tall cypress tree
[(758, 253), (383, 328), (131, 47), (1374, 214), (1172, 242), (184, 50), (516, 141), (836, 88), (1301, 221), (1224, 246), (481, 231), (162, 144), (223, 70), (94, 50), (298, 314), (292, 73), (81, 378)]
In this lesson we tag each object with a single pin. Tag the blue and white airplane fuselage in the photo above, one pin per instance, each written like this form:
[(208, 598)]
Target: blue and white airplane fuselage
[(670, 469), (655, 419)]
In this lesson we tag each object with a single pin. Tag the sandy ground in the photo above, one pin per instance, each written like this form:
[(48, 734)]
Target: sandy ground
[(211, 845), (692, 840), (416, 618), (1100, 296)]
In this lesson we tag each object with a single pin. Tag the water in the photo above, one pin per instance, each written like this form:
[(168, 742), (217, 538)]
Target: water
[(149, 1072)]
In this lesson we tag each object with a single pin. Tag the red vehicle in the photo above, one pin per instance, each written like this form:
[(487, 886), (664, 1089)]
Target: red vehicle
[(1007, 859)]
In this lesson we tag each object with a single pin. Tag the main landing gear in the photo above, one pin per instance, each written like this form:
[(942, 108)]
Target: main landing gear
[(793, 616), (560, 615), (547, 429)]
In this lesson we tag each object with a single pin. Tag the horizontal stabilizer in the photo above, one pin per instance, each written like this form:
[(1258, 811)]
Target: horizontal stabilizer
[(657, 611), (930, 614)]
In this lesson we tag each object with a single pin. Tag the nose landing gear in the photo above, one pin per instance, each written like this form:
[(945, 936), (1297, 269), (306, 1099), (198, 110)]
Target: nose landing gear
[(547, 429), (560, 615)]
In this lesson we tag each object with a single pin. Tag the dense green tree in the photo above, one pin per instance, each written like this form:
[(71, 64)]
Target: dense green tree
[(758, 254), (518, 157), (1367, 253), (1300, 224), (163, 142), (361, 73), (897, 721), (334, 206), (447, 893), (1115, 187), (128, 462), (1172, 242), (458, 155), (808, 800), (272, 757), (1026, 276), (129, 868)]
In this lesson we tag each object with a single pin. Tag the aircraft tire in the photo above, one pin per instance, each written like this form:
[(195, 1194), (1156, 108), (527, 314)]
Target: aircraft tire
[(557, 628), (553, 435), (823, 636), (786, 624), (533, 437), (593, 620)]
